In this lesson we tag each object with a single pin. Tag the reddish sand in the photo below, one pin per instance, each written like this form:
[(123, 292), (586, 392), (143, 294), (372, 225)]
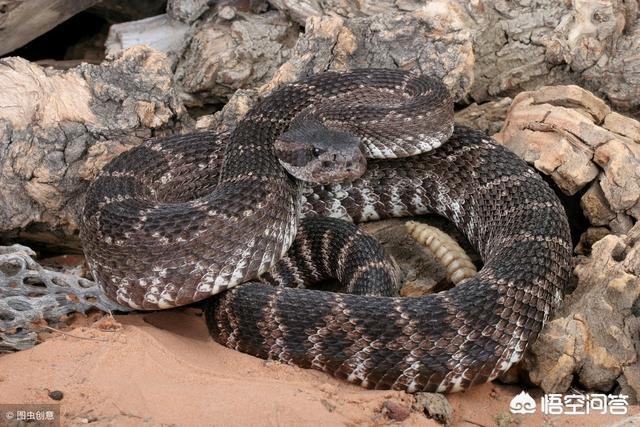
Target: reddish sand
[(163, 369)]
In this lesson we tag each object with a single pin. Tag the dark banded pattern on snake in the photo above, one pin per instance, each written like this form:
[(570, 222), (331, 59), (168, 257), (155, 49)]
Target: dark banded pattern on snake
[(156, 235), (442, 342)]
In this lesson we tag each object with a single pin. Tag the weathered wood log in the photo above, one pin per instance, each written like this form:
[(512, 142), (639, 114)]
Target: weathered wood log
[(187, 10), (525, 45), (57, 129), (23, 20), (235, 51), (162, 33)]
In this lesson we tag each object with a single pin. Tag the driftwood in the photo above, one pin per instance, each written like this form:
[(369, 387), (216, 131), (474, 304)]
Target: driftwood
[(427, 41), (524, 45), (23, 20), (161, 33), (33, 298), (233, 51), (57, 129)]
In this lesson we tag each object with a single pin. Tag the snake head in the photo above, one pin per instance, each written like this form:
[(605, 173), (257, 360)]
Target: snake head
[(313, 152)]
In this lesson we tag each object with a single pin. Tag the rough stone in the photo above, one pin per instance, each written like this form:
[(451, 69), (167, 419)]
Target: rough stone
[(622, 125), (621, 179), (595, 206), (572, 136), (573, 97), (434, 406), (187, 11), (488, 117), (525, 45), (430, 42), (589, 237), (395, 411), (593, 338), (300, 11), (615, 74), (226, 119), (541, 138)]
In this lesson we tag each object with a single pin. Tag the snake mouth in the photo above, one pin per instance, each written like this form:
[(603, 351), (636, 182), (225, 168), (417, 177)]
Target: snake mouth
[(339, 168), (332, 169)]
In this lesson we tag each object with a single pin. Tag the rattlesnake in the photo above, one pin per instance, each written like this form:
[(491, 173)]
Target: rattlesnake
[(179, 219)]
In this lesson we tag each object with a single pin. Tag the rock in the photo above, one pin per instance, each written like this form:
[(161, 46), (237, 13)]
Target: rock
[(488, 117), (186, 11), (56, 394), (589, 237), (223, 56), (595, 206), (622, 125), (226, 119), (621, 179), (299, 11), (593, 338), (395, 411), (613, 74), (572, 136), (227, 13), (57, 129), (23, 21), (435, 406), (33, 297), (161, 33), (573, 97)]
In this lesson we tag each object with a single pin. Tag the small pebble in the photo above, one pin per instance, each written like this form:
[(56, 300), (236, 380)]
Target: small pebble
[(396, 411), (330, 406), (227, 13), (56, 395), (434, 406)]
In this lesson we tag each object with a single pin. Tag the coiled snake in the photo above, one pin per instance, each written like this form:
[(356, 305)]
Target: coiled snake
[(177, 220)]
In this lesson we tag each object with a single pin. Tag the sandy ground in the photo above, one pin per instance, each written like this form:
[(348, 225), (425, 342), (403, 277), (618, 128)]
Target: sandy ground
[(163, 369)]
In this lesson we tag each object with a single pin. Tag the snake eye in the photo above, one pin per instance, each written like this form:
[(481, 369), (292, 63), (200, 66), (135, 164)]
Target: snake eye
[(316, 152)]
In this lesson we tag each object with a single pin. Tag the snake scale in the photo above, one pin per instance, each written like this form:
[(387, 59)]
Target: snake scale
[(179, 219)]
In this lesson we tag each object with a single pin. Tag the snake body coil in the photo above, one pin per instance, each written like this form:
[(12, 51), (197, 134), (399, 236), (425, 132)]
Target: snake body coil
[(174, 221)]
